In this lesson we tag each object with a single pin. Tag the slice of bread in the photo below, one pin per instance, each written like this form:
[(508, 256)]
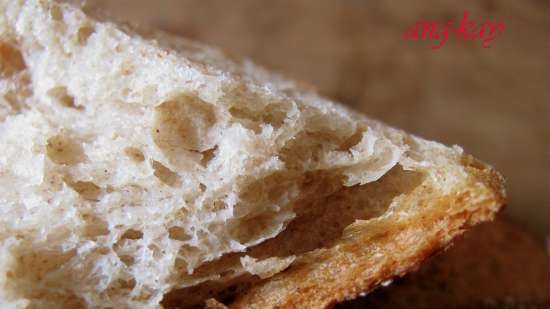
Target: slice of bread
[(155, 173)]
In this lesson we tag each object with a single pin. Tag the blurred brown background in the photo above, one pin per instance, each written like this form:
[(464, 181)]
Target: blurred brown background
[(494, 102)]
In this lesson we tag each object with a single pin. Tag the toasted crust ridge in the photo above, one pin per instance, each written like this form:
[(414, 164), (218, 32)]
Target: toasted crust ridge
[(370, 253)]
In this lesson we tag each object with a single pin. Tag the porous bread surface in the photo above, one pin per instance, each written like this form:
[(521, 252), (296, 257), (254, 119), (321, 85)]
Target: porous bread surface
[(133, 170)]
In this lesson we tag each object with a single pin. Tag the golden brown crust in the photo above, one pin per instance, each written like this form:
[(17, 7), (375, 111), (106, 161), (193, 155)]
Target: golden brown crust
[(495, 265), (371, 252)]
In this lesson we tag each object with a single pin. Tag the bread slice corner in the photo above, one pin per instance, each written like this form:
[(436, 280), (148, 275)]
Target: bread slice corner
[(374, 252)]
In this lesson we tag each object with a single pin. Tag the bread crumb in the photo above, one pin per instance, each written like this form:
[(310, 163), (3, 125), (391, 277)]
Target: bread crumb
[(268, 267)]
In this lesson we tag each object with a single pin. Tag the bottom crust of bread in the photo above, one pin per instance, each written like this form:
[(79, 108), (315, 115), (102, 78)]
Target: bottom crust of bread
[(372, 252), (495, 265)]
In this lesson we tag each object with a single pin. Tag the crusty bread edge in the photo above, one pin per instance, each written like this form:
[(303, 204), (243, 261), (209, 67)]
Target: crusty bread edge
[(295, 289)]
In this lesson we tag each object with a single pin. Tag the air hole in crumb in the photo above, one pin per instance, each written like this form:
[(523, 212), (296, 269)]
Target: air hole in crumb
[(84, 33), (132, 234), (202, 187), (267, 190), (13, 102), (208, 155), (135, 154), (103, 250), (310, 147), (251, 228), (178, 233), (183, 125), (11, 60), (62, 149), (335, 212), (180, 264), (73, 302), (126, 68), (273, 114), (216, 206), (351, 141), (195, 296), (128, 260), (56, 13), (144, 296), (62, 96), (165, 175), (87, 189), (36, 264), (94, 226), (247, 118), (185, 250), (127, 284)]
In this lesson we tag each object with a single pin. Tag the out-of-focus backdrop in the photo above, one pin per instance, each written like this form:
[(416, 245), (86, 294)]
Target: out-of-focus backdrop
[(494, 102)]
